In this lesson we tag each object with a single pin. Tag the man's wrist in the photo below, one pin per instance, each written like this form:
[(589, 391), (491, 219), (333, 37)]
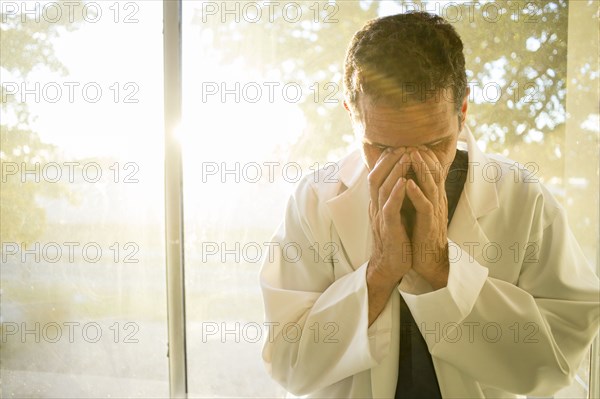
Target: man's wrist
[(436, 273), (378, 281), (439, 279)]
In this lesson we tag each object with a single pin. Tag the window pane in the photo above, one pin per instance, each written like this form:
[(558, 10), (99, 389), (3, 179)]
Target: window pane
[(83, 279), (251, 104)]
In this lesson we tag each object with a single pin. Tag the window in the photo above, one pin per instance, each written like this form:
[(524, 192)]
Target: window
[(83, 308), (83, 295)]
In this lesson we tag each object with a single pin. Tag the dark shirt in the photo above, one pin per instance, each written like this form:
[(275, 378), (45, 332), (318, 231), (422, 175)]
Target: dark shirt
[(416, 374)]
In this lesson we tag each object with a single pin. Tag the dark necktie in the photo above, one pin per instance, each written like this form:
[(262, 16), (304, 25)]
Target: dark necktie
[(416, 374)]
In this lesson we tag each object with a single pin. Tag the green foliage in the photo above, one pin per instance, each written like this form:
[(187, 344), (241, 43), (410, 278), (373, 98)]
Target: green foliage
[(518, 49), (531, 83), (25, 46), (312, 52)]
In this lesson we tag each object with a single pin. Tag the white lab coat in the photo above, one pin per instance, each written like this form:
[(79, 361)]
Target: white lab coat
[(516, 318)]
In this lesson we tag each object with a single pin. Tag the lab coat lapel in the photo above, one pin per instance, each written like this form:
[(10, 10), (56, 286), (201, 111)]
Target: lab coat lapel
[(350, 210), (479, 197)]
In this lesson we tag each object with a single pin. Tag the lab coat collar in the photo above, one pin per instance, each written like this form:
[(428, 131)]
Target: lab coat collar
[(479, 188)]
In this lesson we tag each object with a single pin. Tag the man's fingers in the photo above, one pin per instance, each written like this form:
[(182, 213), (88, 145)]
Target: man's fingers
[(374, 178), (393, 205), (441, 172), (392, 178), (405, 165), (418, 198), (381, 170), (434, 165), (425, 176)]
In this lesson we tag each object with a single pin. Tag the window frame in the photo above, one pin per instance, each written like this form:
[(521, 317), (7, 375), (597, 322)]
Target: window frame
[(174, 244)]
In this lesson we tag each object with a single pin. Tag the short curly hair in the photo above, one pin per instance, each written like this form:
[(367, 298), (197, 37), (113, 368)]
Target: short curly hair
[(405, 58)]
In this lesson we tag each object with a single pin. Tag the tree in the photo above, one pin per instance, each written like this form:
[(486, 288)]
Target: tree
[(515, 51), (25, 44)]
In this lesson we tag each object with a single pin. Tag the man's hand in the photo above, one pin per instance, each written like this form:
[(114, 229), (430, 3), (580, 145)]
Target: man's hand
[(390, 257), (430, 232)]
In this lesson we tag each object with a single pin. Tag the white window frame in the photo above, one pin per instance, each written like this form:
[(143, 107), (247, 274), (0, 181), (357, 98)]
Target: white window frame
[(178, 386)]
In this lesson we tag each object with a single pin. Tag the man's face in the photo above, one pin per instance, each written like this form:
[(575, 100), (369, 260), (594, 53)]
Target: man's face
[(433, 124)]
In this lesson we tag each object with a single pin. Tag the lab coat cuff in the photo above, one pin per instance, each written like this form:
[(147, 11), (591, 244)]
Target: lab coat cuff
[(380, 332), (438, 310)]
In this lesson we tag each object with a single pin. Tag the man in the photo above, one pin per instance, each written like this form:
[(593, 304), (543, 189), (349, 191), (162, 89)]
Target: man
[(418, 272)]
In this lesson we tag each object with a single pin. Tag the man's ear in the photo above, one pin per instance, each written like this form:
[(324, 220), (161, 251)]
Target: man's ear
[(464, 107), (346, 106)]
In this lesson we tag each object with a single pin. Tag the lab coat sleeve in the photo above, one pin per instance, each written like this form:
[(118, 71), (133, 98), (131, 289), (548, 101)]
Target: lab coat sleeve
[(528, 338), (319, 331)]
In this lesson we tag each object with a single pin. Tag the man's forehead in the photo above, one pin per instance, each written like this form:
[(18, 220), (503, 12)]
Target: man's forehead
[(411, 124)]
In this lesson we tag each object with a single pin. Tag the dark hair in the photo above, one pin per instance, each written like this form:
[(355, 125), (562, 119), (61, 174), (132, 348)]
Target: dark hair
[(405, 58)]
